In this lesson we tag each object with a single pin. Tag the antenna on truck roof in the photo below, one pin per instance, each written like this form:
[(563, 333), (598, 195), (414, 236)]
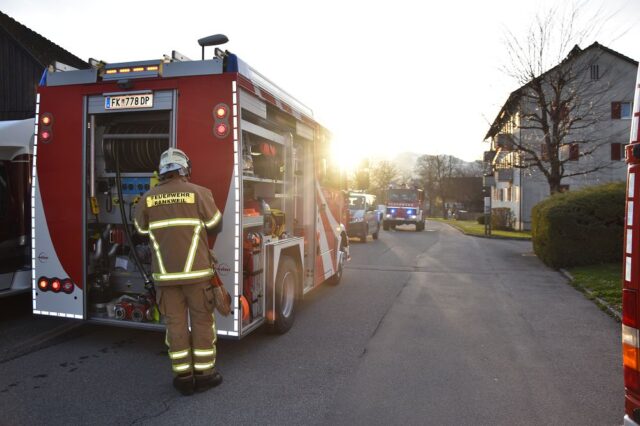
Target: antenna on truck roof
[(212, 40)]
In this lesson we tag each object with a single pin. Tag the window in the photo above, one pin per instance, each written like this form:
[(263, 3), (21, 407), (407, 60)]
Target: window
[(617, 151), (498, 194), (621, 110), (544, 152), (595, 72), (570, 151), (574, 152)]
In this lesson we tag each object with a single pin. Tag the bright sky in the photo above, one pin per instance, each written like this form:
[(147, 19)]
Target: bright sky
[(384, 77)]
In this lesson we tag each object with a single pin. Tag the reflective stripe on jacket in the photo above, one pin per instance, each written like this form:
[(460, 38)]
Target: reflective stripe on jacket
[(175, 215)]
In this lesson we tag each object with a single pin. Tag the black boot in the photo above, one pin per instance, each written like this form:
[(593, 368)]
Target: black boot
[(207, 381), (184, 384)]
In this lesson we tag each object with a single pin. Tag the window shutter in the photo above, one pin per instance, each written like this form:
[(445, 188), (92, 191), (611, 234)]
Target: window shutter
[(574, 152), (615, 110), (615, 151), (544, 154)]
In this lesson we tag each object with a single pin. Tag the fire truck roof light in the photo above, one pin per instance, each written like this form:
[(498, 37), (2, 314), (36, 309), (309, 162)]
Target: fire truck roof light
[(139, 69)]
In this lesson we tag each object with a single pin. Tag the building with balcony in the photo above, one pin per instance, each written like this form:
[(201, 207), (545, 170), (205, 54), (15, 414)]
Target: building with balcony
[(563, 130)]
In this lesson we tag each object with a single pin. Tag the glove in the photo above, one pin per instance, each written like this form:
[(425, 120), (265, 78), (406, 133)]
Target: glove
[(221, 297)]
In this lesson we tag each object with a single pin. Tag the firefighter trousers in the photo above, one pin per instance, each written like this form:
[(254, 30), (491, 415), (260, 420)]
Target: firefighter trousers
[(195, 350)]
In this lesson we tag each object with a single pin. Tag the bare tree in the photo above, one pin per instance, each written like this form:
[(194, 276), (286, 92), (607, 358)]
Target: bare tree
[(561, 113), (471, 169), (361, 177), (382, 174), (433, 171)]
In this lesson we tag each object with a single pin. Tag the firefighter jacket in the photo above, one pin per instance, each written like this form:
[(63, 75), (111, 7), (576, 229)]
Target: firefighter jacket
[(176, 215)]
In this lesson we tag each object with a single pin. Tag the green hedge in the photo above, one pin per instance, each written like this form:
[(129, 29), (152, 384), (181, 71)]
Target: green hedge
[(502, 219), (582, 227)]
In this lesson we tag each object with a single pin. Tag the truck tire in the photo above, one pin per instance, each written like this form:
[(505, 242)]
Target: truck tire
[(337, 277), (363, 236), (419, 226), (385, 226), (286, 296)]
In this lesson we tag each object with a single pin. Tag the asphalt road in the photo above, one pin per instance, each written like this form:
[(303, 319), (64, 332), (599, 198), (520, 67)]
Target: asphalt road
[(426, 328)]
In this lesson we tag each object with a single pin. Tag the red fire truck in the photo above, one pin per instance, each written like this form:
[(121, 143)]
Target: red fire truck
[(631, 278), (100, 133), (404, 206)]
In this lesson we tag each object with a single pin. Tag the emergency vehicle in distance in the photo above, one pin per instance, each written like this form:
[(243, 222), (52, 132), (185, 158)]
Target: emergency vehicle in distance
[(405, 206), (16, 137), (100, 133), (631, 275)]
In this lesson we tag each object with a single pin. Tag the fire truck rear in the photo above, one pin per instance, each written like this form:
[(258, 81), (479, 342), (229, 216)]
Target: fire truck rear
[(631, 276), (100, 133), (404, 206)]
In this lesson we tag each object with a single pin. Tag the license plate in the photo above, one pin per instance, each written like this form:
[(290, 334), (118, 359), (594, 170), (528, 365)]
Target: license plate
[(144, 100)]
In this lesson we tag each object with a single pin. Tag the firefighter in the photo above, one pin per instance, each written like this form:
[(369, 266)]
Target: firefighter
[(176, 215)]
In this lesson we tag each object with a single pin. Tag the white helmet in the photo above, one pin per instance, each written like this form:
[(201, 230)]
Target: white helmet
[(174, 159)]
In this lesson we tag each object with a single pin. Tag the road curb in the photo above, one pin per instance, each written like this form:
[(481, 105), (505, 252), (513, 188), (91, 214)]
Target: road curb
[(600, 302)]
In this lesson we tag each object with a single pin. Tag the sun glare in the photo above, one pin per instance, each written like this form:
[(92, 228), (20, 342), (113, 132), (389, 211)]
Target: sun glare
[(347, 155)]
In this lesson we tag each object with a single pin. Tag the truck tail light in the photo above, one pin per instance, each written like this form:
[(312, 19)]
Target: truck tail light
[(629, 308), (46, 123), (56, 285), (221, 117), (67, 286), (630, 353), (43, 284), (221, 129), (221, 111)]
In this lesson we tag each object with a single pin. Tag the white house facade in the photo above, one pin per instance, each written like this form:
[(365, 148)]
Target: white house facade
[(597, 116)]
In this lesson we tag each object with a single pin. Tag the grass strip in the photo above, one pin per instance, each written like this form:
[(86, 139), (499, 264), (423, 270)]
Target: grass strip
[(472, 227), (603, 281)]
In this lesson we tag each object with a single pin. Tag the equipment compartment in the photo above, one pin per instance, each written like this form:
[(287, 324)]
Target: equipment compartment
[(124, 148)]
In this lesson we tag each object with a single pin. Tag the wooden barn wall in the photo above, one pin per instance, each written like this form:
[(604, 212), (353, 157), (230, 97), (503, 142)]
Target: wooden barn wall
[(19, 77)]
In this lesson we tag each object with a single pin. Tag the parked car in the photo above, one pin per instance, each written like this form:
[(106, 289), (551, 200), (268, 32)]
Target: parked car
[(364, 219)]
